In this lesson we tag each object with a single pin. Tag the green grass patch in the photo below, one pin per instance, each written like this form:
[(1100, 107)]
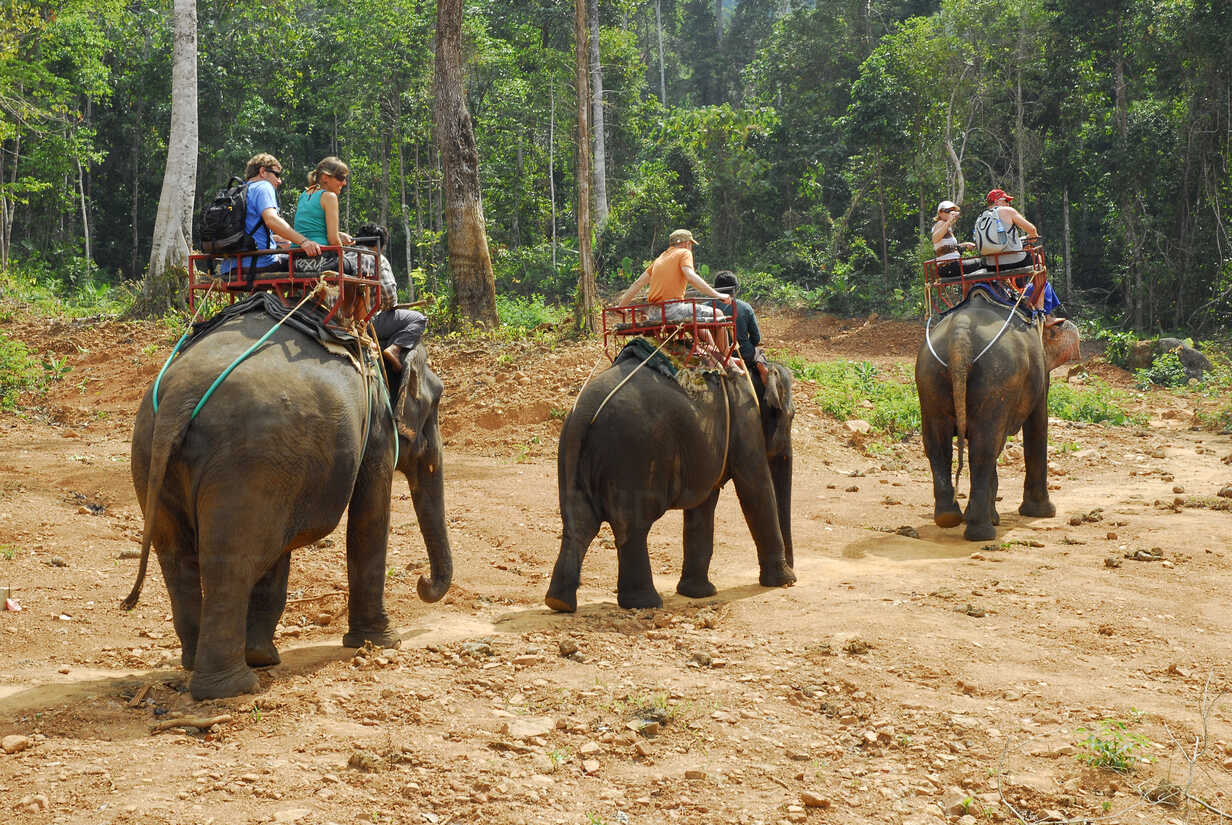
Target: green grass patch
[(70, 294), (527, 313), (22, 371), (1111, 744), (1095, 403), (846, 389)]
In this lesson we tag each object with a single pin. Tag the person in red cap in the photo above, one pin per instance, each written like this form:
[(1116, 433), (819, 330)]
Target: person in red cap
[(1010, 255)]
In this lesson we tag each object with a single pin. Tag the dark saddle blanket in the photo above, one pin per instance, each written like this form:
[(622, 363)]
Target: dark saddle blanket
[(639, 349), (308, 319), (997, 294)]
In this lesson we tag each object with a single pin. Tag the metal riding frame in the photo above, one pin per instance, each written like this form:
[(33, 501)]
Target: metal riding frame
[(287, 283), (949, 292), (651, 320)]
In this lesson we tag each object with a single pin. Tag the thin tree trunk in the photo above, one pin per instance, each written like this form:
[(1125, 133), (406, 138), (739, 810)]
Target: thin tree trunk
[(662, 70), (4, 211), (596, 120), (470, 262), (552, 162), (1068, 246), (1134, 284), (135, 203), (85, 215), (587, 294), (11, 212), (520, 166), (173, 225), (1019, 131), (384, 173), (406, 220), (885, 244)]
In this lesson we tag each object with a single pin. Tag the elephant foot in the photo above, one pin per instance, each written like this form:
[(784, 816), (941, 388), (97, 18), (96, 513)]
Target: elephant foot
[(639, 599), (380, 638), (1038, 509), (262, 655), (225, 683), (561, 603), (979, 532), (187, 660), (947, 516), (782, 576), (696, 588)]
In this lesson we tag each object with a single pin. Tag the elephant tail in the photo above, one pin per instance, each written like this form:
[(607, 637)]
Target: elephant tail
[(168, 433), (960, 367)]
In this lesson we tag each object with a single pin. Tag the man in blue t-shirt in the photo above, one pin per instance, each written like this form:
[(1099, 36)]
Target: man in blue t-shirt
[(263, 222), (748, 335)]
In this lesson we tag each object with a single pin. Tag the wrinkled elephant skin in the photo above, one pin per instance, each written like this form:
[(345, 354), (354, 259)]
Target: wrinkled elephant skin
[(984, 399), (275, 456), (650, 448)]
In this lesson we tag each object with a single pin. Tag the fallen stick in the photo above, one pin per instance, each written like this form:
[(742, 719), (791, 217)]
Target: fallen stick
[(317, 598), (139, 697), (202, 722)]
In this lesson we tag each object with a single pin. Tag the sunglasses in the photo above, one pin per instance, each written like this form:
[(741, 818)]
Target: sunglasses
[(339, 178), (275, 172)]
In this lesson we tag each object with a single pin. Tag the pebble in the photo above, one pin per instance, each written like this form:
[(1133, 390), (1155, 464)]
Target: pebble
[(694, 773), (129, 554), (34, 803), (1112, 561), (527, 659), (966, 819), (701, 657), (1225, 491), (589, 747), (568, 647), (56, 561), (15, 743), (643, 749), (529, 727), (1176, 488), (590, 766), (812, 799)]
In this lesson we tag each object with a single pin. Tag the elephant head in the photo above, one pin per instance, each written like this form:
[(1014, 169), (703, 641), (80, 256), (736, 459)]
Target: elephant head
[(419, 459), (1061, 343)]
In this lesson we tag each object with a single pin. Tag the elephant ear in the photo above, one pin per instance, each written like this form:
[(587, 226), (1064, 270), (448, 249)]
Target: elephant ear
[(776, 394), (406, 408)]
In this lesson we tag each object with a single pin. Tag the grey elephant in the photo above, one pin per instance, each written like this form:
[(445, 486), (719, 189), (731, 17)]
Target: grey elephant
[(653, 447), (983, 375), (291, 439)]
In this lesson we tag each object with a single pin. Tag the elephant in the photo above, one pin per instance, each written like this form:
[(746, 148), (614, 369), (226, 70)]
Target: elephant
[(983, 377), (283, 445), (650, 448)]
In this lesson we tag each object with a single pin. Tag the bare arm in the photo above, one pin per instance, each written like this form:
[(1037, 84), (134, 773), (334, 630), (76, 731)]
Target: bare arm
[(704, 288), (634, 289), (329, 205), (279, 225), (1021, 222)]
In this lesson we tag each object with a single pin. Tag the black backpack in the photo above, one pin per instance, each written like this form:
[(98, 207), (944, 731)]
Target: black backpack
[(224, 222)]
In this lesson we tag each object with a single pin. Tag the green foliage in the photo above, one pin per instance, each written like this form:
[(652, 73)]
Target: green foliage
[(855, 389), (21, 371), (1097, 403), (1117, 345), (1165, 371), (77, 293), (1111, 744), (526, 314)]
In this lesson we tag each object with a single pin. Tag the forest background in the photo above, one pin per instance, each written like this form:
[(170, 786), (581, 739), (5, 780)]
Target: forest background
[(805, 144)]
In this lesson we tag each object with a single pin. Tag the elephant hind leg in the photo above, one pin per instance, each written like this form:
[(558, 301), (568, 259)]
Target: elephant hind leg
[(265, 607), (580, 525), (183, 577)]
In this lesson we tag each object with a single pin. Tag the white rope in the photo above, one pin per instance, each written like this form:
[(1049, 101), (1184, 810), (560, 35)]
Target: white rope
[(928, 338)]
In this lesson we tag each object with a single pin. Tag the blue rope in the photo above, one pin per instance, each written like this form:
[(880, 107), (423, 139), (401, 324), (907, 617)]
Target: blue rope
[(166, 364), (228, 370)]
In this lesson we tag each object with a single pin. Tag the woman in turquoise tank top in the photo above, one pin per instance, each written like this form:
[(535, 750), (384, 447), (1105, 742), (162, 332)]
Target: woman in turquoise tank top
[(316, 215)]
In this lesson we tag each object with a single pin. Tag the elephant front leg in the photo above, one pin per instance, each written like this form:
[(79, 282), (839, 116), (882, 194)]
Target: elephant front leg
[(1035, 501), (755, 490), (939, 447), (579, 526), (634, 580), (698, 550), (367, 544), (265, 607), (183, 578)]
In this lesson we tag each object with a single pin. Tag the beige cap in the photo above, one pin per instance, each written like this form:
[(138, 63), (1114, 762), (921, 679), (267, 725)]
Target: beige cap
[(681, 235), (946, 206)]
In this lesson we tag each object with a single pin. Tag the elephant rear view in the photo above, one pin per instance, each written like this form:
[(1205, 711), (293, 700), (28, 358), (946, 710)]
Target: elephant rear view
[(233, 474), (983, 374), (638, 444)]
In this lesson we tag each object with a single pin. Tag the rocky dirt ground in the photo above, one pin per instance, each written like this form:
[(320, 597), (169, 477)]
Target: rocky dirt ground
[(909, 677)]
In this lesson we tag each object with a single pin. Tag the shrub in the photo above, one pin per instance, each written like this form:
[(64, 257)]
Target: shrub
[(20, 371), (844, 384), (1166, 371), (527, 313), (1111, 744), (1096, 404), (1117, 345)]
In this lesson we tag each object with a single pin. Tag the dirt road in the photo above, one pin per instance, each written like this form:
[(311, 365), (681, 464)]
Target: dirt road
[(909, 677)]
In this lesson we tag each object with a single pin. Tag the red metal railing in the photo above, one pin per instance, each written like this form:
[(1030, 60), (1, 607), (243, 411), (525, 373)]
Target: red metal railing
[(361, 290), (651, 320), (948, 292)]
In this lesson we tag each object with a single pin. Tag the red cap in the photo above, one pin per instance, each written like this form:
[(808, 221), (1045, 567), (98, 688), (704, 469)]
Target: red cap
[(996, 195)]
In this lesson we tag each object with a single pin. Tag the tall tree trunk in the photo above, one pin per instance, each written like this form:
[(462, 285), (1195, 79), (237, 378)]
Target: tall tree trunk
[(587, 294), (596, 119), (885, 244), (552, 162), (1067, 248), (515, 228), (1134, 285), (384, 194), (11, 203), (402, 210), (173, 224), (4, 210), (85, 215), (662, 69), (470, 263), (134, 207)]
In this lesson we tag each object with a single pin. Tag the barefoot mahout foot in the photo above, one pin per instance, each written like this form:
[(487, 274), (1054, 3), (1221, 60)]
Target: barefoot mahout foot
[(982, 374), (637, 444)]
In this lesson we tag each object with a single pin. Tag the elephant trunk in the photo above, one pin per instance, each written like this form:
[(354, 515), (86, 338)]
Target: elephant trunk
[(960, 367), (428, 496)]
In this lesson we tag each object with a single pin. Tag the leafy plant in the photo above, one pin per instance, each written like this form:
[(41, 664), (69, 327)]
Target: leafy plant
[(1166, 371), (844, 386), (527, 313), (1096, 403), (20, 371), (1111, 744), (1117, 345), (8, 552)]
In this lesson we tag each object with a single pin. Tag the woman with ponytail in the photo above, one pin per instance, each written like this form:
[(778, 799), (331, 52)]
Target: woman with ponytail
[(316, 216)]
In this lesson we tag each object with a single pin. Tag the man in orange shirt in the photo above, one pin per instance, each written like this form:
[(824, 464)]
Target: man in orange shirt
[(668, 276)]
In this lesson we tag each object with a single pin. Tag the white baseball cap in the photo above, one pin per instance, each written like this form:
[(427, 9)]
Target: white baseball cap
[(946, 206)]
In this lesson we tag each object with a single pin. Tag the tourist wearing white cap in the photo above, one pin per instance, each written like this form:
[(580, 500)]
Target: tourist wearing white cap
[(946, 246)]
